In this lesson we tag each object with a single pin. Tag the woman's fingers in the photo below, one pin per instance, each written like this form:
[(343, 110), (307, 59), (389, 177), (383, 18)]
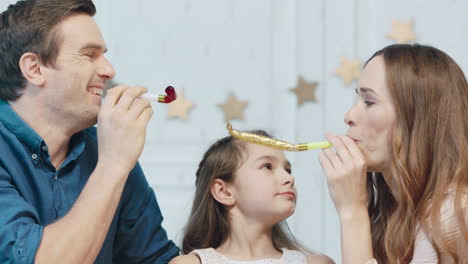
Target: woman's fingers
[(325, 163), (340, 148), (345, 169), (353, 149)]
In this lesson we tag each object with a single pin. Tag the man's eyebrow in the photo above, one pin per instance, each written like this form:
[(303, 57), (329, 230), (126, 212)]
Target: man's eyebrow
[(93, 46)]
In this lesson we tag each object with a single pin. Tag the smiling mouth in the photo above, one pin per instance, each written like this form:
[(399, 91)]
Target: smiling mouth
[(95, 90)]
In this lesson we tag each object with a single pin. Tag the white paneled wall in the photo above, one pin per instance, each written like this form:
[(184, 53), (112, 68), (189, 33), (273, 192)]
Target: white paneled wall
[(257, 49)]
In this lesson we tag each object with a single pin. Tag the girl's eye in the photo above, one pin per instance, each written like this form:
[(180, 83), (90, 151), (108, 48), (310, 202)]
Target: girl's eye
[(368, 103), (288, 171), (266, 166)]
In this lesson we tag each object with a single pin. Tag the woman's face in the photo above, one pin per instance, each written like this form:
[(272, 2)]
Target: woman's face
[(372, 116)]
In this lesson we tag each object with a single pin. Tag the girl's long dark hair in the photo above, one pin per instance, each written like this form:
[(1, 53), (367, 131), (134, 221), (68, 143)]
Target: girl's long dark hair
[(208, 224)]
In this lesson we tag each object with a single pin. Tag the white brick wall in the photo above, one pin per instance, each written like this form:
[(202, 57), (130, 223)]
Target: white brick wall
[(256, 49)]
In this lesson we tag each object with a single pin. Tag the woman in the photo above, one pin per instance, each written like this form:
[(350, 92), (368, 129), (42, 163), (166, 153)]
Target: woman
[(398, 178)]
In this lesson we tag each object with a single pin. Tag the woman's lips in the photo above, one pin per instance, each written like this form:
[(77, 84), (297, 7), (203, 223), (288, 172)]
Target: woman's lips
[(355, 140)]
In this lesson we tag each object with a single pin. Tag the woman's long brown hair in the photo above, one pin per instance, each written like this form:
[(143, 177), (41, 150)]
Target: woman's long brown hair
[(429, 148), (208, 224)]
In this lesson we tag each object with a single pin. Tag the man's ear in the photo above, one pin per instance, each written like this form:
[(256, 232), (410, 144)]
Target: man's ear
[(30, 66), (221, 193)]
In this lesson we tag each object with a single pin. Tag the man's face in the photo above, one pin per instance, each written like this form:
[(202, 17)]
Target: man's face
[(73, 86)]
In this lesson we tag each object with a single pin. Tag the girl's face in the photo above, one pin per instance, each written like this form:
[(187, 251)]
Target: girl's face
[(372, 116), (263, 186)]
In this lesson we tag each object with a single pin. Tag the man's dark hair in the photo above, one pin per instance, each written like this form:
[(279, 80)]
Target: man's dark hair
[(29, 26)]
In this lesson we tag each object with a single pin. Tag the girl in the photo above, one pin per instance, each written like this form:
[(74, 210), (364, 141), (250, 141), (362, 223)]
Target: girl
[(244, 192)]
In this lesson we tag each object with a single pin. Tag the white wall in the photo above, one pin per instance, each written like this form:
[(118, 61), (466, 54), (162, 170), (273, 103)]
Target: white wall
[(257, 49)]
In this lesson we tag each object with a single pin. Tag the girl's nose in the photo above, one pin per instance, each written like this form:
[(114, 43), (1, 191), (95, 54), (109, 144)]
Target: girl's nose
[(289, 179)]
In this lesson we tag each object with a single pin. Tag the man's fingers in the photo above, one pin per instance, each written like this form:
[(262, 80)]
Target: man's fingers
[(137, 108), (128, 97), (146, 115), (113, 96)]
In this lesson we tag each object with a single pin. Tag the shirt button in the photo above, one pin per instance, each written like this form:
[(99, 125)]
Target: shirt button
[(34, 156), (44, 148)]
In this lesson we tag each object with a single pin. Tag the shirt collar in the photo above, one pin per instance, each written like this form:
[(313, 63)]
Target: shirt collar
[(13, 122)]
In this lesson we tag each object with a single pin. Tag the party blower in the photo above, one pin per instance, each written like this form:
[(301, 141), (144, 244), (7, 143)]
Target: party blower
[(161, 98), (275, 143), (167, 98)]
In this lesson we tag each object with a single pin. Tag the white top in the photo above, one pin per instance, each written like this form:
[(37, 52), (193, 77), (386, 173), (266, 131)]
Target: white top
[(211, 256), (424, 251)]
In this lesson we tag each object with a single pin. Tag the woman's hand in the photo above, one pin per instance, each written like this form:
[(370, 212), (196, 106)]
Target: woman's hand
[(346, 170)]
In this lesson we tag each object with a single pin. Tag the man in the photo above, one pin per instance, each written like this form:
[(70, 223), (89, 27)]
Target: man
[(70, 193)]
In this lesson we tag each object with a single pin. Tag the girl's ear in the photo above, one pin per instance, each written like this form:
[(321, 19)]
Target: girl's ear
[(221, 193)]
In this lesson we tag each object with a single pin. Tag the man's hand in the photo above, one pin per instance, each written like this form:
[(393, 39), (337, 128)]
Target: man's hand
[(122, 124)]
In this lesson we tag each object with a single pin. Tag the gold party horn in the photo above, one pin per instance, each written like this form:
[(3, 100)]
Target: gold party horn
[(274, 143)]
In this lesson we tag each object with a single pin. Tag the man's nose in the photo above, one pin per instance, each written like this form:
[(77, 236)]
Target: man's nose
[(106, 70)]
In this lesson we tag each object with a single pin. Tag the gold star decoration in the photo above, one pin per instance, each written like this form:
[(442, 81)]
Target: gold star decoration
[(179, 108), (349, 70), (305, 91), (233, 108), (402, 32)]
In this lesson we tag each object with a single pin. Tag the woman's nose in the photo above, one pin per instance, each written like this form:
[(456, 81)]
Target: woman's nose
[(348, 118)]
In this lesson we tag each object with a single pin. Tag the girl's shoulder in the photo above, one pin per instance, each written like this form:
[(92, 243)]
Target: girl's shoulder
[(295, 256), (207, 256), (319, 259), (186, 259)]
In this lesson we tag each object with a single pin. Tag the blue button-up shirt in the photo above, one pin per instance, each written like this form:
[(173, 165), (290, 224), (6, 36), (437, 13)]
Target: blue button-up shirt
[(33, 194)]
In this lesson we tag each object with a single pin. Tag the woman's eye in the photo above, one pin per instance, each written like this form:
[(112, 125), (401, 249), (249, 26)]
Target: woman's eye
[(288, 171), (368, 103), (266, 166)]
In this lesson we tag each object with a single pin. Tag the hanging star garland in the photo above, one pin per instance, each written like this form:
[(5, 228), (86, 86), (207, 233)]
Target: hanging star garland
[(179, 108), (305, 91), (402, 32), (349, 70), (233, 108)]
